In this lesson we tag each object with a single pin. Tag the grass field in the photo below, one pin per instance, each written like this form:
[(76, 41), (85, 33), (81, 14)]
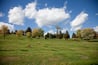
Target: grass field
[(28, 51)]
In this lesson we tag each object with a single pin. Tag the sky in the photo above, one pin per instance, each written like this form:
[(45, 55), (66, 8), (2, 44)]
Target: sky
[(70, 15)]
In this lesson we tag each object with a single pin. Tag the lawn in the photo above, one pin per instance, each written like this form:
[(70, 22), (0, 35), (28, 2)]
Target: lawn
[(29, 51)]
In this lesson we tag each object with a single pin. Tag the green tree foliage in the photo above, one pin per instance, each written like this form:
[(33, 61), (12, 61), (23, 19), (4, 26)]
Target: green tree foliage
[(74, 35), (66, 35), (88, 33), (8, 31), (41, 32), (49, 35), (37, 32), (28, 30), (60, 35), (19, 33), (78, 33)]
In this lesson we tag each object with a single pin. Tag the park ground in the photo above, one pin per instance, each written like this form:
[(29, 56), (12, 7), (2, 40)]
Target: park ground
[(30, 51)]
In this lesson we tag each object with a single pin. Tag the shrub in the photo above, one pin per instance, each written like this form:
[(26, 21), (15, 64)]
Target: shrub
[(19, 33), (28, 34)]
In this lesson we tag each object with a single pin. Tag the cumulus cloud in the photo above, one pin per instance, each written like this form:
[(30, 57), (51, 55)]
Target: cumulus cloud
[(63, 30), (1, 14), (10, 26), (30, 10), (43, 17), (48, 16), (16, 15), (78, 21), (96, 28)]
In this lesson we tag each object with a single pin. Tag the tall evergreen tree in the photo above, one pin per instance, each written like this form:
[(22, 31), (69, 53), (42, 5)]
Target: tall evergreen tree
[(66, 35), (28, 30), (73, 35)]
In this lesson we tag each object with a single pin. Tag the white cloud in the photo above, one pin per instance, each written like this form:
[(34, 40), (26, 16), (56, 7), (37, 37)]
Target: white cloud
[(76, 28), (10, 26), (78, 21), (63, 30), (16, 16), (49, 16), (1, 14), (30, 10), (43, 17), (54, 32), (96, 28), (97, 14), (51, 31)]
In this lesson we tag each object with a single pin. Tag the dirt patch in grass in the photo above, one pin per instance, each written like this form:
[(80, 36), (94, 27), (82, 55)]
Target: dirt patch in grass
[(8, 58), (84, 57)]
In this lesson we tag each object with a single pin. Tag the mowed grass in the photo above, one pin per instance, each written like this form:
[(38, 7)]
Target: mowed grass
[(29, 51)]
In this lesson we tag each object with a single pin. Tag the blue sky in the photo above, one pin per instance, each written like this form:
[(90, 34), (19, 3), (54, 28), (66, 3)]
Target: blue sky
[(70, 15)]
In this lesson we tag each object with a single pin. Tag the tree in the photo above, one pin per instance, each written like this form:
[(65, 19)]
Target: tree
[(19, 33), (78, 34), (41, 32), (88, 33), (4, 30), (73, 35), (96, 35), (49, 35), (37, 32), (28, 34), (28, 30), (60, 35), (66, 35), (8, 31), (58, 31)]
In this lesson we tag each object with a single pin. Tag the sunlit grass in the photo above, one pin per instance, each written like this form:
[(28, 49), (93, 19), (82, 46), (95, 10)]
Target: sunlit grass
[(29, 51)]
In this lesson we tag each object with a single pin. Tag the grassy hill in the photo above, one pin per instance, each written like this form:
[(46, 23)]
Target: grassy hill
[(29, 51)]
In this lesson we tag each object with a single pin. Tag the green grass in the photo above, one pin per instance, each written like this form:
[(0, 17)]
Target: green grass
[(29, 51)]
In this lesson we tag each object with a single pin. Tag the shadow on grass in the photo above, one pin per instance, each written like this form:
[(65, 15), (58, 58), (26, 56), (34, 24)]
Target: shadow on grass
[(23, 50), (93, 40), (7, 50)]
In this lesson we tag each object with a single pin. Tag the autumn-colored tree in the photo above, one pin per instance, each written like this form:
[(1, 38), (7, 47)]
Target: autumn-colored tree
[(28, 34), (4, 29), (96, 35), (0, 31), (37, 32), (88, 33), (19, 33)]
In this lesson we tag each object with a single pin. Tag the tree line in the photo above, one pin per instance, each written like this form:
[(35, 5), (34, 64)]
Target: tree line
[(86, 33)]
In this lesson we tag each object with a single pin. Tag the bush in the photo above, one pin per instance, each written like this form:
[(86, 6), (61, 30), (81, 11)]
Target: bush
[(87, 34), (28, 34), (19, 33)]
